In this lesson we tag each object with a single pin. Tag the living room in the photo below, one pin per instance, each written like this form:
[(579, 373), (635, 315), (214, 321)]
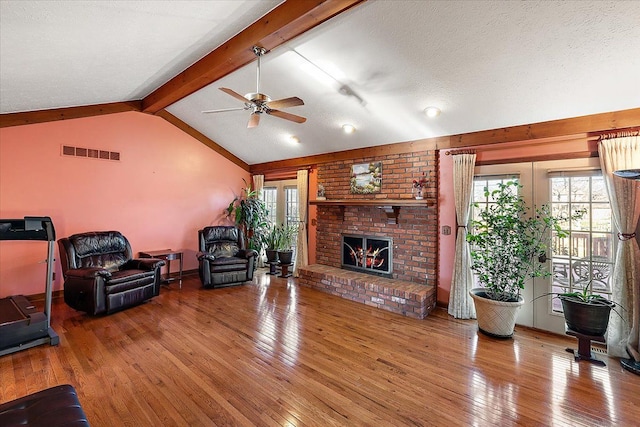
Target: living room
[(167, 182)]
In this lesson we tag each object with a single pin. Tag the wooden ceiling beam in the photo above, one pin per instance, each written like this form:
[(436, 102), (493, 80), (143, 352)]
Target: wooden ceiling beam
[(576, 127), (42, 116), (288, 20), (202, 138), (594, 123)]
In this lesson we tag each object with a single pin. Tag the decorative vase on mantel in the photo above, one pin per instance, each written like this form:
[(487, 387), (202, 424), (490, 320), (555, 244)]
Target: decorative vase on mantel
[(417, 193), (418, 186)]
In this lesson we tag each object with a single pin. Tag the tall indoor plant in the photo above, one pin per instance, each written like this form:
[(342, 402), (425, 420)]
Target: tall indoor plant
[(508, 247), (250, 214)]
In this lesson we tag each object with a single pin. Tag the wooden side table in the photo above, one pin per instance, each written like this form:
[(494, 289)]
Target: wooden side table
[(167, 255), (285, 270), (584, 346), (272, 267)]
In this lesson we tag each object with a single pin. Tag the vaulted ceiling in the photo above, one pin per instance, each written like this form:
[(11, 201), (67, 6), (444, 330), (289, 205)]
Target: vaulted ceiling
[(375, 64)]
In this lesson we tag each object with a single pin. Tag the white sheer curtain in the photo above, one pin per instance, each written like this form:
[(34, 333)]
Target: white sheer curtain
[(460, 303), (258, 184), (302, 249), (619, 154)]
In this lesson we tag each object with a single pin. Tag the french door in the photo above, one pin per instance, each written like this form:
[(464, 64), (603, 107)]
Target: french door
[(281, 200), (586, 255)]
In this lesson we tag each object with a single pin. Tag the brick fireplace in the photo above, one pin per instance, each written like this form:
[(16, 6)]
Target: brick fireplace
[(412, 229)]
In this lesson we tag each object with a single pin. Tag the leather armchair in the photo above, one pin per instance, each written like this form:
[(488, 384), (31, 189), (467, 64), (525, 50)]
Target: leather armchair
[(101, 276), (223, 259)]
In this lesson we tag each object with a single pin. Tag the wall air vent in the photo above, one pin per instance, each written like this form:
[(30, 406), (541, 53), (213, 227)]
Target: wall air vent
[(91, 153)]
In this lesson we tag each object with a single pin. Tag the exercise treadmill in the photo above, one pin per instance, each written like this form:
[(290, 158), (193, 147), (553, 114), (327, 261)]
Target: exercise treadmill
[(22, 326)]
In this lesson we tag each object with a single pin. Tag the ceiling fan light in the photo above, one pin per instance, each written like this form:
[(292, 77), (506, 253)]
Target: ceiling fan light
[(348, 128), (432, 111)]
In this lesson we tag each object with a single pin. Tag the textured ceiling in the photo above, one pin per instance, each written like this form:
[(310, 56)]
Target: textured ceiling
[(68, 53), (486, 64)]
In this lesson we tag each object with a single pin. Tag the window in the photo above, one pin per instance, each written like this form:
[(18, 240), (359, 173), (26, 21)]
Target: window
[(270, 198), (291, 205)]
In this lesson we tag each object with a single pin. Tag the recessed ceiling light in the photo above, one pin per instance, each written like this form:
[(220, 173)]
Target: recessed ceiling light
[(347, 128), (294, 138), (432, 111)]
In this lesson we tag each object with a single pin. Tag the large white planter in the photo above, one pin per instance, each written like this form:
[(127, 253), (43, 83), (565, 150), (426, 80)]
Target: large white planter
[(495, 318)]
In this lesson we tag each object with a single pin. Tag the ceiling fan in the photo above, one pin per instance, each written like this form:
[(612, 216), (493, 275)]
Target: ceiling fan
[(260, 103)]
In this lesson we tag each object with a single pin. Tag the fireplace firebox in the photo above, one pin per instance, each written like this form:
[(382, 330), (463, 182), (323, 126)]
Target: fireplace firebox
[(367, 254)]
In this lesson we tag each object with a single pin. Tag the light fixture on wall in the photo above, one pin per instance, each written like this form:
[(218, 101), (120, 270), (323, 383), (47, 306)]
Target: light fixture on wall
[(348, 128), (432, 112)]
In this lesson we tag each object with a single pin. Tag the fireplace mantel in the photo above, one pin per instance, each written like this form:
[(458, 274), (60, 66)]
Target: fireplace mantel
[(390, 206)]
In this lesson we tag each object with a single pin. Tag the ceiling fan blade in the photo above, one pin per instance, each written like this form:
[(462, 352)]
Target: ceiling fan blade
[(254, 120), (287, 116), (234, 94), (294, 101), (222, 110)]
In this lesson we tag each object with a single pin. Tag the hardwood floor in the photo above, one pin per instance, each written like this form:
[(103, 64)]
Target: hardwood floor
[(275, 354)]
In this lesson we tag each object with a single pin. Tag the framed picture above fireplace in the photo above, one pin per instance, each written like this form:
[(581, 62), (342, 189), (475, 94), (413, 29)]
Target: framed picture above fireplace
[(366, 178)]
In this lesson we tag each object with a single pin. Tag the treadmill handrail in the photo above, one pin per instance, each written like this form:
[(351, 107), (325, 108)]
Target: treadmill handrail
[(28, 228)]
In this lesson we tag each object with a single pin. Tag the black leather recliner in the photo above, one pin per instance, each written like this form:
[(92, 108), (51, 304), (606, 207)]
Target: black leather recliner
[(223, 259), (101, 276)]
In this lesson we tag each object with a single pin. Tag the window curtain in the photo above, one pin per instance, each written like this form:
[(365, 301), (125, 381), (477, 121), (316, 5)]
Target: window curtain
[(622, 153), (258, 184), (302, 248), (460, 303)]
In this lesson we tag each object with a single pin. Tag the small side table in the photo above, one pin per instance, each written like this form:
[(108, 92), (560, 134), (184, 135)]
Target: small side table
[(167, 255), (584, 346), (285, 270), (272, 267)]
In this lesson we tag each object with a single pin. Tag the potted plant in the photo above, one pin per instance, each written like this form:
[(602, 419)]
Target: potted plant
[(250, 214), (586, 312), (287, 234), (508, 247), (270, 243)]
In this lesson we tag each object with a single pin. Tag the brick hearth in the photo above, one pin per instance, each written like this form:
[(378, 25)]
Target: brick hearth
[(397, 296)]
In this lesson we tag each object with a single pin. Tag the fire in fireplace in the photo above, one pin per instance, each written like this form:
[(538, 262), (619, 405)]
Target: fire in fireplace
[(368, 254)]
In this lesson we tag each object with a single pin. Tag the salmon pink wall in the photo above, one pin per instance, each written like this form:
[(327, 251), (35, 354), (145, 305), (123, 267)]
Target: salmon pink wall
[(312, 214), (446, 217), (165, 187)]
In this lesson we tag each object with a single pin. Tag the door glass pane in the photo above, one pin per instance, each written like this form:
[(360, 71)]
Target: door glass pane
[(270, 198), (291, 205), (586, 255)]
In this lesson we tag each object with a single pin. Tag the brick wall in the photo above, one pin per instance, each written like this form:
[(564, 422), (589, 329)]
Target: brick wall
[(414, 237)]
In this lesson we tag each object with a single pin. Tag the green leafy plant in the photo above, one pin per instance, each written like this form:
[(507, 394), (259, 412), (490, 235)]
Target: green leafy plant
[(286, 235), (270, 238), (586, 296), (250, 214), (508, 245)]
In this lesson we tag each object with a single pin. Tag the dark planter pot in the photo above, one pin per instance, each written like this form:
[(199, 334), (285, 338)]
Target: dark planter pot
[(272, 255), (285, 257), (586, 318)]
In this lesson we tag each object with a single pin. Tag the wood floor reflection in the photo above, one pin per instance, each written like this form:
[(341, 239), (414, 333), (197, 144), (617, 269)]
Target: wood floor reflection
[(271, 353)]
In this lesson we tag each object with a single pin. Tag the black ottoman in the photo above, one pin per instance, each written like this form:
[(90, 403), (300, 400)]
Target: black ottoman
[(54, 407)]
